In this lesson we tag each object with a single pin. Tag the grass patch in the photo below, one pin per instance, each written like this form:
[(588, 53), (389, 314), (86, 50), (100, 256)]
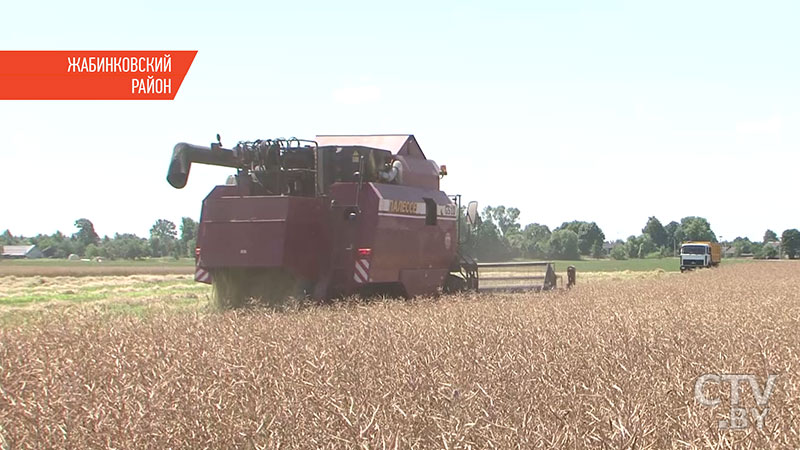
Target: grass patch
[(63, 267), (40, 290), (147, 262), (23, 299)]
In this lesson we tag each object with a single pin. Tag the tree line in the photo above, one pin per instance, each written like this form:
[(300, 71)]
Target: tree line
[(656, 238), (498, 237), (166, 239), (659, 240)]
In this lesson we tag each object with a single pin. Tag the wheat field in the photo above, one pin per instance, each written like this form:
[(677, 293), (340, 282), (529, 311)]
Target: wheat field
[(609, 364)]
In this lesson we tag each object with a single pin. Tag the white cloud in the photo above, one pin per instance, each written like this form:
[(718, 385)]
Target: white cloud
[(357, 95)]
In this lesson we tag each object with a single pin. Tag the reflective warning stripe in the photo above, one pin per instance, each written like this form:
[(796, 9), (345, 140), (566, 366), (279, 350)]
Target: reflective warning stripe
[(361, 272), (202, 275)]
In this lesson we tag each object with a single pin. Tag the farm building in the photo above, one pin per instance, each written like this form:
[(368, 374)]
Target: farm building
[(21, 251), (608, 246)]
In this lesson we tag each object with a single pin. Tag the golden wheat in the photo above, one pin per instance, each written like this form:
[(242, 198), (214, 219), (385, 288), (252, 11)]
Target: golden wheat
[(611, 364)]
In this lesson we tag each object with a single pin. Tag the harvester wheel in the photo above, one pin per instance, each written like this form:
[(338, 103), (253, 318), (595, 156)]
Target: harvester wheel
[(229, 289), (454, 283), (233, 288)]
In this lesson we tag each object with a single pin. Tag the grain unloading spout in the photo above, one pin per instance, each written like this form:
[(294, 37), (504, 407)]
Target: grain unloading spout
[(183, 155)]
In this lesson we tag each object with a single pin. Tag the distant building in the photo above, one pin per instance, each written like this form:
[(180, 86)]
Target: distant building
[(608, 246), (21, 251)]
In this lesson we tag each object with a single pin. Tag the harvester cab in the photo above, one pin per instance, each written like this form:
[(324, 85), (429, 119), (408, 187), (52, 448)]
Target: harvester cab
[(331, 217)]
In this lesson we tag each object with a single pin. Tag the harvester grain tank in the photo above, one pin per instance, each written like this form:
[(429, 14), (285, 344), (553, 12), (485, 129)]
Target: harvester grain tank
[(696, 254), (336, 216)]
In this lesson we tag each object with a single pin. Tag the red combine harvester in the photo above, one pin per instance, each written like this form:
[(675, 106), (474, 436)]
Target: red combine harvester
[(337, 216)]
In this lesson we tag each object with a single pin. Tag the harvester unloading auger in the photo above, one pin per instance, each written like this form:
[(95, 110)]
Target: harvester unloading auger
[(337, 216)]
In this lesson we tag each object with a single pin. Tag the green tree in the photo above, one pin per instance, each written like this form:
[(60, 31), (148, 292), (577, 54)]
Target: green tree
[(590, 236), (8, 239), (188, 236), (487, 241), (790, 243), (163, 237), (770, 236), (489, 244), (618, 253), (674, 234), (94, 251), (535, 239), (56, 245), (766, 252), (639, 246), (164, 229), (563, 244), (85, 235), (632, 247), (646, 246), (697, 229), (516, 244), (127, 246), (596, 238), (656, 231), (742, 246), (506, 219)]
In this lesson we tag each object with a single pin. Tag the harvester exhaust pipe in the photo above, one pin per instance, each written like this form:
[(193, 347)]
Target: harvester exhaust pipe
[(183, 155)]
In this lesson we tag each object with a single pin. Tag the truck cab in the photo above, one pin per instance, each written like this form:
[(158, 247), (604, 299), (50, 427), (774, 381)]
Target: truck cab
[(700, 254)]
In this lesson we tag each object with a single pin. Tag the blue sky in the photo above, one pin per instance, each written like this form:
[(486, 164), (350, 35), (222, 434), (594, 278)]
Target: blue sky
[(566, 110)]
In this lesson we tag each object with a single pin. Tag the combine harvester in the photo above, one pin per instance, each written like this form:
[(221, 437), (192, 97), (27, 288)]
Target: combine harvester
[(337, 216)]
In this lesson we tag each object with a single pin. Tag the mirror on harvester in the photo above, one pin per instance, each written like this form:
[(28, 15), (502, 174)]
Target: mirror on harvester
[(473, 218)]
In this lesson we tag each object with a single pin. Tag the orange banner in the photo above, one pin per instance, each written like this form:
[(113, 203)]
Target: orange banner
[(93, 75)]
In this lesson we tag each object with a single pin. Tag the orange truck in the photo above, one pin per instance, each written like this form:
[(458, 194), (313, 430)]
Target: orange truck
[(696, 254)]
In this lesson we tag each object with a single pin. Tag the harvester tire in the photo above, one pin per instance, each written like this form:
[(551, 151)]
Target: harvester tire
[(230, 289), (454, 283)]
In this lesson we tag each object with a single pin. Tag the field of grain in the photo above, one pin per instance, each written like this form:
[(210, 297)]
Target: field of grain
[(24, 298), (610, 364), (64, 268)]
